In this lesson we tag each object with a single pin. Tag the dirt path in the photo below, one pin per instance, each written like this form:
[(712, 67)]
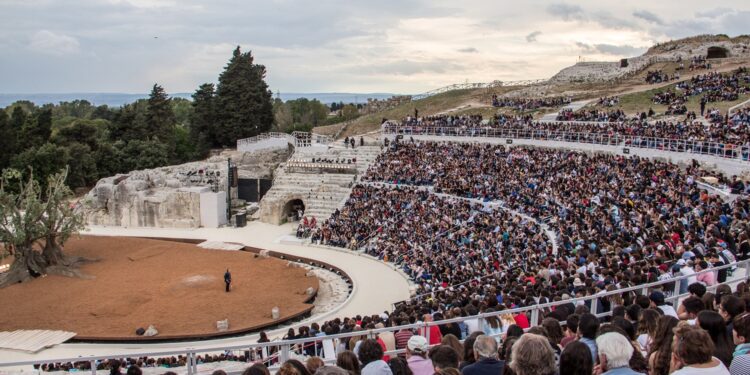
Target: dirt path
[(177, 287)]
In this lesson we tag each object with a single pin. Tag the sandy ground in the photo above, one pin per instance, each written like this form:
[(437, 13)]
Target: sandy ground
[(177, 287)]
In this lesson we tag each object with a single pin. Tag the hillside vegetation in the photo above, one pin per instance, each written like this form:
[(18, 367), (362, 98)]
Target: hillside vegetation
[(635, 94)]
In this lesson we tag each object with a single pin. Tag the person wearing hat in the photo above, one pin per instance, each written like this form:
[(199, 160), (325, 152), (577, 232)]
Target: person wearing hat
[(416, 356), (657, 300)]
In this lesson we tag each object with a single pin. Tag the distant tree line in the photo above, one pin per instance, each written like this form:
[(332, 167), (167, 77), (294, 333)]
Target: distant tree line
[(100, 141)]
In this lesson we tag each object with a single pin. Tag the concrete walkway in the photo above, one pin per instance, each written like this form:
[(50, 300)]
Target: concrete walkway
[(376, 287)]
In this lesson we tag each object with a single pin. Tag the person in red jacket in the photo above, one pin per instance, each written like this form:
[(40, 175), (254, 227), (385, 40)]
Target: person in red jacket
[(435, 336)]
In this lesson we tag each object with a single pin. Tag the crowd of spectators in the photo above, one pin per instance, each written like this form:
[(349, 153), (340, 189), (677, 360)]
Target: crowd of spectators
[(608, 101), (465, 223), (523, 104), (655, 217), (594, 115), (714, 86), (696, 63), (720, 136), (658, 76)]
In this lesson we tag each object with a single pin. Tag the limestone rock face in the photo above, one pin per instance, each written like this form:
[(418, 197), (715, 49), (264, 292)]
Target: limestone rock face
[(169, 196), (599, 71)]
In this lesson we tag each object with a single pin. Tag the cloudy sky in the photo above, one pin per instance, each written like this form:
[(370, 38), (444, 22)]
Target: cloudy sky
[(398, 46)]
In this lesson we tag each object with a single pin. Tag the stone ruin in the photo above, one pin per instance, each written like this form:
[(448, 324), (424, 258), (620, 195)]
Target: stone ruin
[(375, 105), (169, 197), (607, 71)]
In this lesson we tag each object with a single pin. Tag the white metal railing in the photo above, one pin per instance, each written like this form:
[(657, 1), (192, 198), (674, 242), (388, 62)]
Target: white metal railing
[(262, 137), (299, 139), (717, 149), (285, 348)]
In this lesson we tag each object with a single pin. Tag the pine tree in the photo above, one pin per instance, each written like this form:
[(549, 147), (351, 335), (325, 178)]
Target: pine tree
[(160, 119), (203, 118), (244, 107)]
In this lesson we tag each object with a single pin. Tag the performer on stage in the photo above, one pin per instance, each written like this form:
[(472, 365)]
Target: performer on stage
[(227, 279)]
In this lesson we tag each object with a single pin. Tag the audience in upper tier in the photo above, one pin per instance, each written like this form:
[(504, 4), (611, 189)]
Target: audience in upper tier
[(644, 133), (523, 104), (658, 76)]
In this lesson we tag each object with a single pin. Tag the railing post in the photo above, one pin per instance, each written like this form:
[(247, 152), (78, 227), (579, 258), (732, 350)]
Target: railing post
[(594, 305), (92, 363), (427, 333), (284, 354), (534, 317), (190, 360)]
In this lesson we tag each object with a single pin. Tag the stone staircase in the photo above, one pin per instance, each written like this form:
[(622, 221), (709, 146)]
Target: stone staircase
[(321, 193)]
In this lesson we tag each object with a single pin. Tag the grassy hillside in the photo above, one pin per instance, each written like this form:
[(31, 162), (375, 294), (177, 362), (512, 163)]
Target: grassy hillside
[(435, 104), (635, 96)]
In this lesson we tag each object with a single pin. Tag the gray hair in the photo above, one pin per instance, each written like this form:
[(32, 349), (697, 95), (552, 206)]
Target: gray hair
[(533, 355), (616, 348), (485, 347)]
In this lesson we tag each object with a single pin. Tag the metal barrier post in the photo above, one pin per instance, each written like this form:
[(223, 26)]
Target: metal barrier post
[(534, 317), (284, 355), (92, 363), (427, 334), (594, 305), (190, 369)]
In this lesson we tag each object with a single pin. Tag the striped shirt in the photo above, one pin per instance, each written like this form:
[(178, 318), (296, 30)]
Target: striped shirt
[(402, 337), (740, 365)]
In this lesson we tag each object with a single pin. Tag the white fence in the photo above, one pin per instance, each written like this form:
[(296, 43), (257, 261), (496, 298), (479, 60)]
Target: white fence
[(326, 346), (716, 149), (280, 140)]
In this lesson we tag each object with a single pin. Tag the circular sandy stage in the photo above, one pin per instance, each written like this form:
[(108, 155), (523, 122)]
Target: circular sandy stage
[(178, 287)]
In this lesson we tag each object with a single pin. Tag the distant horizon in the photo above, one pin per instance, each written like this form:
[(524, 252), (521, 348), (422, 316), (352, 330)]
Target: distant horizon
[(116, 99)]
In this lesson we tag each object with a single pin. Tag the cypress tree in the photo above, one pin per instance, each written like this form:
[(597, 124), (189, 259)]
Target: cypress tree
[(160, 120), (203, 118), (244, 107)]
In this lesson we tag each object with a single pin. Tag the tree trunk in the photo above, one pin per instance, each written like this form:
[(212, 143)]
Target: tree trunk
[(27, 265), (52, 252)]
